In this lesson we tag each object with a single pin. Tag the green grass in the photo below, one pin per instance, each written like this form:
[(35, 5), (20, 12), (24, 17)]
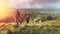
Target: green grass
[(48, 27)]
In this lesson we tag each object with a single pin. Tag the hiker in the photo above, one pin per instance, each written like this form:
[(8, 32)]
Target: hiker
[(17, 15), (27, 18)]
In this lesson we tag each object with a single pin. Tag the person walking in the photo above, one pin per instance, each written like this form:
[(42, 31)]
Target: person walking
[(17, 16), (27, 18)]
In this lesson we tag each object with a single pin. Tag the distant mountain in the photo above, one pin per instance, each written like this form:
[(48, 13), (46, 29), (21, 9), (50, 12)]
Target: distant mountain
[(51, 11)]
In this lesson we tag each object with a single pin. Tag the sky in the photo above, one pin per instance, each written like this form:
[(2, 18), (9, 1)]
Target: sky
[(33, 4), (7, 5)]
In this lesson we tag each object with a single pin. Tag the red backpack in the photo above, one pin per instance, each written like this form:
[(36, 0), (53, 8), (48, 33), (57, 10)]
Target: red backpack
[(21, 18)]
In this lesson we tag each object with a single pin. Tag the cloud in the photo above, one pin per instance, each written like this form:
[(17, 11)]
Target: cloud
[(19, 3), (39, 4)]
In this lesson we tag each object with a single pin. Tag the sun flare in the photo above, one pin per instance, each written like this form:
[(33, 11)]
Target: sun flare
[(5, 11)]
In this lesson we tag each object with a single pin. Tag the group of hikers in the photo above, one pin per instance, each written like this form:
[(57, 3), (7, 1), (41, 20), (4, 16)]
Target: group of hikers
[(19, 18)]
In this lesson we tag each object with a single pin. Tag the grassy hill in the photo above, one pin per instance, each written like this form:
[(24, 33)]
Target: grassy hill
[(48, 27)]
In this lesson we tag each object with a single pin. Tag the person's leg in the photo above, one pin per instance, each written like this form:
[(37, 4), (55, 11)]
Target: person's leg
[(17, 23), (27, 21)]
